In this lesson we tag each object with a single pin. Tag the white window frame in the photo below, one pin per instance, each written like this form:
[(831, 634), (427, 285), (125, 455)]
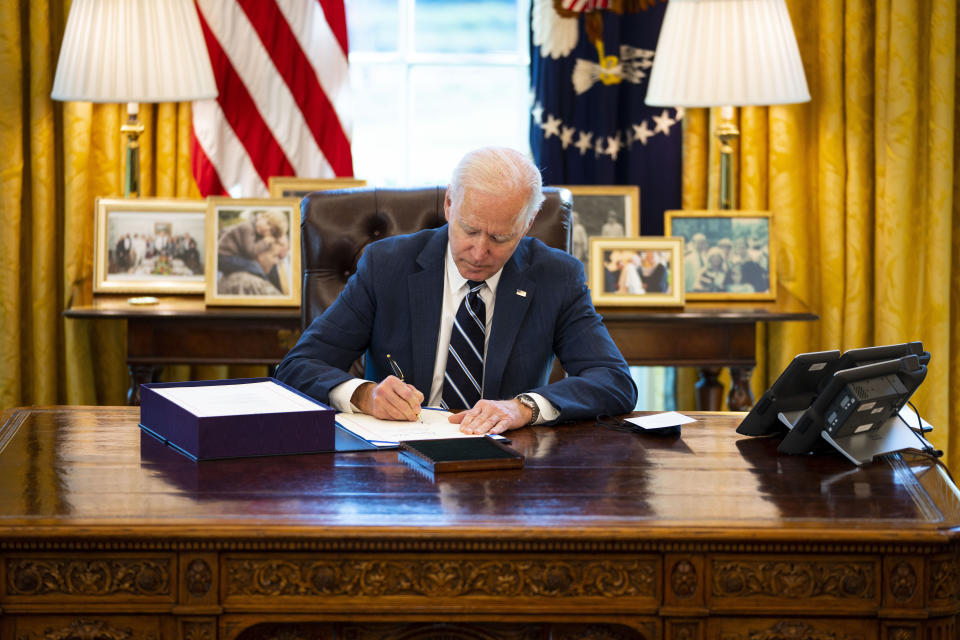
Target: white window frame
[(408, 59)]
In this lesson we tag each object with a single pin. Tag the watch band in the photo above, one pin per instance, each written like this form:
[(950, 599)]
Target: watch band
[(530, 403)]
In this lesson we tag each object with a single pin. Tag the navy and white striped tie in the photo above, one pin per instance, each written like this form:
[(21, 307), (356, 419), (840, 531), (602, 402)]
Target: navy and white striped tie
[(463, 379)]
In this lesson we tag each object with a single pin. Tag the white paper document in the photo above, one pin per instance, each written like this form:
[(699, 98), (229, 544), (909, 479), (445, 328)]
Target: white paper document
[(390, 432), (661, 420), (205, 401)]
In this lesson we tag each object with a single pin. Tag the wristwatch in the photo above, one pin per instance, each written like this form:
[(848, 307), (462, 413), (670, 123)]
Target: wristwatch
[(531, 404)]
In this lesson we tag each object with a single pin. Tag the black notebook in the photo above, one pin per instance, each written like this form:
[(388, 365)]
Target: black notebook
[(460, 454)]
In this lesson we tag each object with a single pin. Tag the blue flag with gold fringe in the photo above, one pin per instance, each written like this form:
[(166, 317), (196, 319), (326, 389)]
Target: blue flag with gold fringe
[(590, 61)]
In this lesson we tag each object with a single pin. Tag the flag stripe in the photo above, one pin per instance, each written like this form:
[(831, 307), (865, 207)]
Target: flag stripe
[(336, 17), (270, 96), (283, 106), (320, 45), (218, 140), (289, 59), (203, 170), (242, 114)]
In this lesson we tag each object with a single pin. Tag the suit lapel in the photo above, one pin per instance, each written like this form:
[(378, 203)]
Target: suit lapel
[(514, 294), (425, 291)]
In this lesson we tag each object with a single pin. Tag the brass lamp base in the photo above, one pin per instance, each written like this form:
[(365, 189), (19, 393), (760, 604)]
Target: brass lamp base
[(132, 128), (727, 132)]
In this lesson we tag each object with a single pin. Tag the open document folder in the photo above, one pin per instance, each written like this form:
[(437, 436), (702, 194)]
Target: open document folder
[(389, 433)]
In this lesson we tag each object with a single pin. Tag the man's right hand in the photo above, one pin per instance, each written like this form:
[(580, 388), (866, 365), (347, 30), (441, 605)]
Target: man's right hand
[(392, 399)]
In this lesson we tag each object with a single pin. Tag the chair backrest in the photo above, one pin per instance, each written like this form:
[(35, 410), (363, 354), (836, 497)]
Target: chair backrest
[(338, 224)]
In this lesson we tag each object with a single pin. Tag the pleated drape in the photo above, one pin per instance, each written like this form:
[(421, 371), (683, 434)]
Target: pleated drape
[(56, 160), (862, 183), (31, 237)]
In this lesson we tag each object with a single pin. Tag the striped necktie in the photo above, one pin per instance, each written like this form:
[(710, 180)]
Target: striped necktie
[(463, 378)]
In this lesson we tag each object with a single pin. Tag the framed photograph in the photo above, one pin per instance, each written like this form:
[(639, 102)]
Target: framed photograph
[(292, 187), (729, 254), (606, 211), (254, 252), (636, 272), (149, 245)]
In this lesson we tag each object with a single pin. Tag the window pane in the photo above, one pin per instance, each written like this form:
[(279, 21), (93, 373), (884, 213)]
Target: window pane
[(455, 109), (378, 126), (465, 26), (372, 25)]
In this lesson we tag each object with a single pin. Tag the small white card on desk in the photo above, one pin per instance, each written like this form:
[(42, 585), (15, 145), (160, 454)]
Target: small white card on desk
[(661, 420)]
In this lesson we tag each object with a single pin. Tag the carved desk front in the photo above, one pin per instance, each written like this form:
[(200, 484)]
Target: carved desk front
[(105, 535)]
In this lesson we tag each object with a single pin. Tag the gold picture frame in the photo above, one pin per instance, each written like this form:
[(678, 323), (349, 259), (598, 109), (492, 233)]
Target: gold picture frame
[(636, 272), (743, 240), (149, 245), (611, 211), (293, 187), (253, 246)]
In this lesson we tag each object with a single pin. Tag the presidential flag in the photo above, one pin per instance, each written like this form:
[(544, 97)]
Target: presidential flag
[(590, 62), (283, 108)]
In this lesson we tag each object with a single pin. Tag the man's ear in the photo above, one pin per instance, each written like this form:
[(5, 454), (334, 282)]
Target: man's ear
[(447, 202)]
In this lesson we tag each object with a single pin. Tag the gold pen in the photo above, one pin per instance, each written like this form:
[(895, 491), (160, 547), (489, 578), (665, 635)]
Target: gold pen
[(397, 371)]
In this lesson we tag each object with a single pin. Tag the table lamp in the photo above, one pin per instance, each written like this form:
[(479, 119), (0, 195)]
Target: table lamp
[(133, 52), (726, 53)]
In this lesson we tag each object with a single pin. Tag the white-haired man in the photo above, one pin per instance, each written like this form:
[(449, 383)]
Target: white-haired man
[(474, 310)]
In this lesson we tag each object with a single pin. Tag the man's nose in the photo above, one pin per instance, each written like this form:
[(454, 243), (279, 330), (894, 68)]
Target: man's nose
[(481, 247)]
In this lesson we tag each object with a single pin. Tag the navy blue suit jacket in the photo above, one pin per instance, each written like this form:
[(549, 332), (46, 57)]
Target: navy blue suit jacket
[(392, 305)]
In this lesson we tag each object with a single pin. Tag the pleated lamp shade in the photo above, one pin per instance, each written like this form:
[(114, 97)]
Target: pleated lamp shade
[(726, 53), (133, 51)]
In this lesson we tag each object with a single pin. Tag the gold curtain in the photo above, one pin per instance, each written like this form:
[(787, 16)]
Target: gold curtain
[(862, 183), (56, 159)]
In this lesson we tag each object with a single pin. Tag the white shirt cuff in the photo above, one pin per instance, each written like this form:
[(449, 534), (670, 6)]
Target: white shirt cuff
[(340, 395), (548, 412)]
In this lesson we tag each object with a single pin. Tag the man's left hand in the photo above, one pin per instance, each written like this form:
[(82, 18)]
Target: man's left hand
[(492, 416)]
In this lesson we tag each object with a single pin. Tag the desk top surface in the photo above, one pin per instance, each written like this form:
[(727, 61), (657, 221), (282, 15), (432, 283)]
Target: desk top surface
[(786, 308), (88, 471)]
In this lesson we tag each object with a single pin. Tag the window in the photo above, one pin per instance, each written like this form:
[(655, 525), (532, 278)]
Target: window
[(432, 79)]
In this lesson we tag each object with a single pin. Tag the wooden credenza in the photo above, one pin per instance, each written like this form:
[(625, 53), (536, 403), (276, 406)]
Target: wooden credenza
[(707, 335), (107, 535)]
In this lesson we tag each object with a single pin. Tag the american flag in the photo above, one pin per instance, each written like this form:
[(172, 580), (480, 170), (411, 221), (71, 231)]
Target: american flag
[(283, 108), (577, 6)]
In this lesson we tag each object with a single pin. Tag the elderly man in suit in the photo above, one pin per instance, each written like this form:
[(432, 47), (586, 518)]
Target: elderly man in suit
[(475, 313)]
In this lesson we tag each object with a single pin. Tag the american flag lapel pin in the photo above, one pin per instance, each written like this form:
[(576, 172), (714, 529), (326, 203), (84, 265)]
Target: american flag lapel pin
[(521, 293)]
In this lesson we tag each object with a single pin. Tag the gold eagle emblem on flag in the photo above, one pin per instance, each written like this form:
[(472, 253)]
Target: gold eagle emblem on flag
[(556, 31)]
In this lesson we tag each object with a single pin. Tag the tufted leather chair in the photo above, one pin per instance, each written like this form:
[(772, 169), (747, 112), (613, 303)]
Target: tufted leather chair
[(338, 224)]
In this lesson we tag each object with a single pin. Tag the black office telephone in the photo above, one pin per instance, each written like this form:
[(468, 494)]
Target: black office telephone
[(850, 402)]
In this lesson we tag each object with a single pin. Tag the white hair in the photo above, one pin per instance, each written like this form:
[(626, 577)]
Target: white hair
[(496, 170)]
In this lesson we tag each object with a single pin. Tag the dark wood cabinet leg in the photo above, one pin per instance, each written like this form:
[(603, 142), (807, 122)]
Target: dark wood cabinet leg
[(709, 389), (140, 374), (740, 397)]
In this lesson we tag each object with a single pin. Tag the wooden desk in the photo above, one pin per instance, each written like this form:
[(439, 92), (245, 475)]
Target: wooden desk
[(705, 335), (607, 535)]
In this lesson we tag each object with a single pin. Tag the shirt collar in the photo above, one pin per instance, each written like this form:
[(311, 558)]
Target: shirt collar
[(456, 281)]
